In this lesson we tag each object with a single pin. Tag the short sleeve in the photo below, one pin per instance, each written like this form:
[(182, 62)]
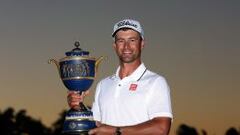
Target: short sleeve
[(159, 101), (95, 106)]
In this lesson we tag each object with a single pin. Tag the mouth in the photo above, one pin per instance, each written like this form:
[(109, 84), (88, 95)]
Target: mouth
[(127, 53)]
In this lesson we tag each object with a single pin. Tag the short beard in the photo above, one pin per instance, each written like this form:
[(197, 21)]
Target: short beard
[(135, 57)]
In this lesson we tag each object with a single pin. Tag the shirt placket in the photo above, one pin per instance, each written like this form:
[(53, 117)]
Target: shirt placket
[(118, 88)]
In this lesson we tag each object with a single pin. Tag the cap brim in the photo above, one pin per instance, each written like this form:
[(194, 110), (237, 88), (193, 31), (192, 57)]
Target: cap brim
[(114, 33)]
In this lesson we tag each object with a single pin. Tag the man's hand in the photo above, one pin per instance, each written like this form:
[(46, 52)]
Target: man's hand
[(103, 130), (74, 98)]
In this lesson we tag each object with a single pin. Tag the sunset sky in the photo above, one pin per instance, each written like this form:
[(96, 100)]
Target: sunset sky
[(194, 44)]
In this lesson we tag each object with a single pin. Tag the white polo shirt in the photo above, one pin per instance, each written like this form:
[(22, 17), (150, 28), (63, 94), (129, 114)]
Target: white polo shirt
[(141, 96)]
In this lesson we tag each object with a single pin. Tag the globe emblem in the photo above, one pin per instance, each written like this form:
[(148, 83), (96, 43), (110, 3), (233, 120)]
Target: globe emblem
[(72, 125)]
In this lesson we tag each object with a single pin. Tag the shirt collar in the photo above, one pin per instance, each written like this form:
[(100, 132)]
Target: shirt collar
[(135, 75)]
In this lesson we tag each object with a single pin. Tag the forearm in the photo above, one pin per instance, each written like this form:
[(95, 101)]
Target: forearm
[(156, 126)]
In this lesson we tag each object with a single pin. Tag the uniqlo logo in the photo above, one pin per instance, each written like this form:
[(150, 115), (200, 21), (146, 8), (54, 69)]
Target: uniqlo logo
[(133, 87)]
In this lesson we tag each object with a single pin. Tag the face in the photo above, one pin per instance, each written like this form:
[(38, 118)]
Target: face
[(128, 45)]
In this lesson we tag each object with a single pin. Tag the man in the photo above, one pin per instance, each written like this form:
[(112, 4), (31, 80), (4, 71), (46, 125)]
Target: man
[(134, 101)]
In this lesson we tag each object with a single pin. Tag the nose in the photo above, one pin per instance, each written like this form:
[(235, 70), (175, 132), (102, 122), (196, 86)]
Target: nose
[(126, 45)]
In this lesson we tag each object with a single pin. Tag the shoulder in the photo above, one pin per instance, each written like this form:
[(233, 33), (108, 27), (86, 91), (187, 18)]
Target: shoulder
[(156, 81), (158, 86), (103, 83), (106, 80), (154, 76)]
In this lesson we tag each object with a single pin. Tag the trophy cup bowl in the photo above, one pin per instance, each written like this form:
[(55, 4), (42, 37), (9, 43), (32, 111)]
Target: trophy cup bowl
[(77, 71)]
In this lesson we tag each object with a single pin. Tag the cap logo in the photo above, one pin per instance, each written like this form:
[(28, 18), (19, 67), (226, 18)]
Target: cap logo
[(120, 24)]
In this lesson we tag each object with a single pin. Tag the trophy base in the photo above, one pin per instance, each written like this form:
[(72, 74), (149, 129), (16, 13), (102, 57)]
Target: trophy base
[(76, 133), (78, 122)]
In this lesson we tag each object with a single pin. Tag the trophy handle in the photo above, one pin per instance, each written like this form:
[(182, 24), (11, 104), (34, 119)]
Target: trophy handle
[(98, 61), (50, 61)]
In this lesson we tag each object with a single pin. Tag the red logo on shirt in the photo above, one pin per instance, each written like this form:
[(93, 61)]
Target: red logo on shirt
[(133, 87)]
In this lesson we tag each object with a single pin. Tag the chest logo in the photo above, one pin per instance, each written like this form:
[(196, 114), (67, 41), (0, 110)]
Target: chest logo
[(133, 87)]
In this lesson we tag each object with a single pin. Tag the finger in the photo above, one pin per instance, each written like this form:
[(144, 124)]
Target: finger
[(72, 96), (73, 104), (72, 92), (92, 131), (87, 92), (98, 124), (73, 100)]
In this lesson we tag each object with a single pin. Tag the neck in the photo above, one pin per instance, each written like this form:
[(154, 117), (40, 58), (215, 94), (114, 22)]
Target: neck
[(128, 68)]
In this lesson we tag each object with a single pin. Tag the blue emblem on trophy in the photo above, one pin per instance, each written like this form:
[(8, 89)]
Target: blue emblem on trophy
[(77, 71)]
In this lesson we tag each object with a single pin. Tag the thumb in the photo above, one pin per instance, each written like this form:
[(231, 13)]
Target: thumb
[(92, 131), (86, 92)]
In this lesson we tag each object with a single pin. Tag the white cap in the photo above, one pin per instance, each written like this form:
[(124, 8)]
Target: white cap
[(128, 23)]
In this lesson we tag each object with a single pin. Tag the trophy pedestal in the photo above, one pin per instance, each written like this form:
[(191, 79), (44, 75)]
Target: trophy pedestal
[(80, 133), (78, 121)]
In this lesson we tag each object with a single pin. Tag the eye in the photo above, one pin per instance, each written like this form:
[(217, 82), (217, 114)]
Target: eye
[(133, 40), (119, 41)]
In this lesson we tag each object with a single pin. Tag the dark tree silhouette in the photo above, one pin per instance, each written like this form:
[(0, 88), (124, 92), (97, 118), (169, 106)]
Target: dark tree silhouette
[(7, 125), (58, 124), (232, 131), (26, 124), (20, 124), (184, 129), (204, 132)]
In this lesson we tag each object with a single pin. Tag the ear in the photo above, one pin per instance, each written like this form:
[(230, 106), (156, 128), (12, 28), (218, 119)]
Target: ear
[(142, 44), (114, 45)]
